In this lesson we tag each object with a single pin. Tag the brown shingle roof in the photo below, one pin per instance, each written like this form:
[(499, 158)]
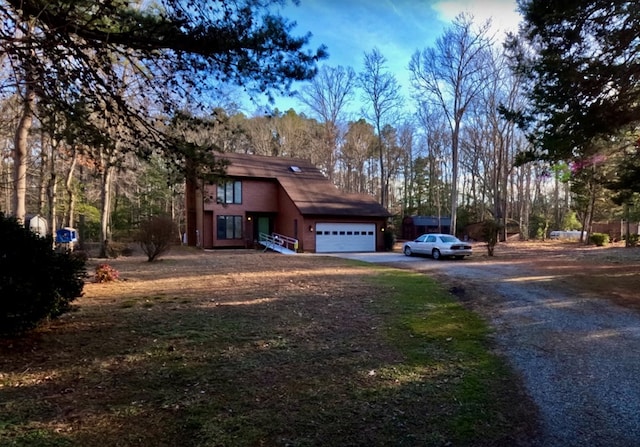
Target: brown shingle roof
[(307, 187)]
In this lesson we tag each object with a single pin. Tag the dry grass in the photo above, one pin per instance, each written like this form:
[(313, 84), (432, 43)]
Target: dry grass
[(242, 348), (609, 272)]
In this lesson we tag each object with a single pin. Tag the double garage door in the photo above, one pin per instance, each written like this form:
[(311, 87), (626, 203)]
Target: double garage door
[(345, 237)]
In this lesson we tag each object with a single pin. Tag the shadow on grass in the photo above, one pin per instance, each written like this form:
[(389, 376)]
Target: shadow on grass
[(311, 352)]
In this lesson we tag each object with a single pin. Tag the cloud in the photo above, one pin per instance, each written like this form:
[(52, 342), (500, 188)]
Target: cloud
[(503, 13)]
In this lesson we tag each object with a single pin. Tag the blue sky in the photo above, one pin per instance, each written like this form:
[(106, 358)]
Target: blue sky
[(397, 28)]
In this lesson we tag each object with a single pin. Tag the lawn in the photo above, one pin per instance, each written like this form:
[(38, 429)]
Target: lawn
[(244, 348)]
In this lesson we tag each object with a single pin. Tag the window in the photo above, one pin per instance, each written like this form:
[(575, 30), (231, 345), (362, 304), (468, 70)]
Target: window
[(229, 227), (230, 192)]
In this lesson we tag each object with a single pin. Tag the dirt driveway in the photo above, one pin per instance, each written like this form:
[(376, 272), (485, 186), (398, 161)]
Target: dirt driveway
[(568, 319)]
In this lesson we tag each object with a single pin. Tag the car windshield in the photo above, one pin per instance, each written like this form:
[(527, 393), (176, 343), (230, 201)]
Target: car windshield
[(448, 239)]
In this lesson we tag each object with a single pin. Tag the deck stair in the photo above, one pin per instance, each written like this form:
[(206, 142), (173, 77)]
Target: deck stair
[(279, 243)]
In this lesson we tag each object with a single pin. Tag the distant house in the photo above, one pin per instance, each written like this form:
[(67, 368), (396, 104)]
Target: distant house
[(414, 226), (291, 197)]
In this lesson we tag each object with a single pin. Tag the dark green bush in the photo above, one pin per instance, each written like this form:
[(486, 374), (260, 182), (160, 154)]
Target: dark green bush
[(599, 239), (36, 283), (389, 238)]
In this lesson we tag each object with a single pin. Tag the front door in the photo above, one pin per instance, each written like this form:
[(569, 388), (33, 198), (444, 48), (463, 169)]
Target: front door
[(264, 226)]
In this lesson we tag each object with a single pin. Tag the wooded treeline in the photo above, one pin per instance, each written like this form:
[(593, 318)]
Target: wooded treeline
[(450, 145)]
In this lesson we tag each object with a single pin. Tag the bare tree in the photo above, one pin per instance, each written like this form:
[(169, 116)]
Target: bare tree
[(20, 147), (357, 150), (68, 184), (62, 53), (382, 93), (8, 119), (261, 132), (435, 152), (294, 137), (406, 160), (327, 95), (452, 74), (395, 143)]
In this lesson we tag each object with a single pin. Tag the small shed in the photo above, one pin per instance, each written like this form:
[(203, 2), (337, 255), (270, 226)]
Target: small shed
[(414, 226)]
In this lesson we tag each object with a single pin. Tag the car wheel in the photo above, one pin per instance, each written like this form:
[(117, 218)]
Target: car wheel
[(435, 253), (407, 251)]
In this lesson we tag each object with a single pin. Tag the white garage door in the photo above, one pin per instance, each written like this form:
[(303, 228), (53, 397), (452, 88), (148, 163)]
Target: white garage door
[(345, 237)]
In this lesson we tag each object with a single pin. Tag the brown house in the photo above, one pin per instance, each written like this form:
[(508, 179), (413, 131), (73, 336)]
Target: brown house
[(290, 197), (414, 226)]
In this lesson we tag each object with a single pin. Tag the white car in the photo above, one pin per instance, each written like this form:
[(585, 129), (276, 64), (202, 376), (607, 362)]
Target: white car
[(438, 246)]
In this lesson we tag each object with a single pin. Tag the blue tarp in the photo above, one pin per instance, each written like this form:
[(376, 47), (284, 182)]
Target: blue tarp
[(66, 235)]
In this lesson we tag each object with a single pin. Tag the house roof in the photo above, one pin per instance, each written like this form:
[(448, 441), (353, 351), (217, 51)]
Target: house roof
[(307, 187), (431, 221)]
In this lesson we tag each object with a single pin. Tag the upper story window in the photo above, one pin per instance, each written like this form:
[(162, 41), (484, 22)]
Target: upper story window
[(230, 192)]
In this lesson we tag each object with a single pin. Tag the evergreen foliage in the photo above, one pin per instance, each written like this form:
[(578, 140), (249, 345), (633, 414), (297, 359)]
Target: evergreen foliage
[(389, 237), (580, 60), (89, 58), (36, 283), (600, 239)]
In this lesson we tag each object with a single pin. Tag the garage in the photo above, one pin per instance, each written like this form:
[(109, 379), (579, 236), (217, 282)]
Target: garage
[(345, 237)]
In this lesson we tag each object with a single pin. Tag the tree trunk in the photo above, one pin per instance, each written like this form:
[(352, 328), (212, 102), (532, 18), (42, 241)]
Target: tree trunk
[(52, 188), (627, 242), (454, 175), (20, 152), (44, 163), (71, 196), (383, 180), (105, 233)]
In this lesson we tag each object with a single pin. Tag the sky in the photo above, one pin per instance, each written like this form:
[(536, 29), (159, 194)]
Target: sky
[(398, 28)]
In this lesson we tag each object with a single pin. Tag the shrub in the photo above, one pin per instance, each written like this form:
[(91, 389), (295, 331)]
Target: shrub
[(127, 251), (81, 255), (156, 236), (490, 230), (389, 238), (116, 249), (106, 273), (633, 239), (599, 239), (36, 283)]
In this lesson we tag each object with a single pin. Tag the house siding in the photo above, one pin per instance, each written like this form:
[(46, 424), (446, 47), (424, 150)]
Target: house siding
[(258, 196), (293, 203), (285, 222)]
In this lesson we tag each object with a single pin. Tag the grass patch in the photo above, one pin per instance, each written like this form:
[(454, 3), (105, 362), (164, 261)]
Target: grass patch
[(446, 346), (287, 351)]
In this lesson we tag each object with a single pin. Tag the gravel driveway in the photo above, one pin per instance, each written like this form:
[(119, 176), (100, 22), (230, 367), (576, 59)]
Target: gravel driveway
[(579, 356)]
